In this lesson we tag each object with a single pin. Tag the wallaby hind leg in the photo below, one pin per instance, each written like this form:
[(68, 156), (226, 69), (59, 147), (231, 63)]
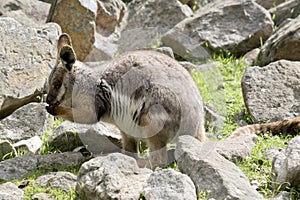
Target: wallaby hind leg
[(129, 145), (158, 150)]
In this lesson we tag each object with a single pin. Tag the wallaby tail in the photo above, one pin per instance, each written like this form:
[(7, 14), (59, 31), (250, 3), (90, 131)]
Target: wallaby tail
[(291, 126)]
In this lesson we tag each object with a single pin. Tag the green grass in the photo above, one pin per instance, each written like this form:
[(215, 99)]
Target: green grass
[(221, 88)]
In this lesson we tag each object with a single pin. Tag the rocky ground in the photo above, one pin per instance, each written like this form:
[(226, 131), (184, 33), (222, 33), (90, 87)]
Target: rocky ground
[(264, 33)]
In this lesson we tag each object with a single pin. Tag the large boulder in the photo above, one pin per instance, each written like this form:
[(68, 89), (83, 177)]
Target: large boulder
[(27, 12), (29, 121), (283, 44), (77, 18), (212, 172), (227, 26), (115, 176), (271, 93), (26, 57), (147, 20)]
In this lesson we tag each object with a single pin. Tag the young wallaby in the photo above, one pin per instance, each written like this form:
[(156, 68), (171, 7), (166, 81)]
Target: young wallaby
[(146, 94)]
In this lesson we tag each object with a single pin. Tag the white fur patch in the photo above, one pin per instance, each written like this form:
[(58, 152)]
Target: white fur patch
[(123, 110), (61, 93)]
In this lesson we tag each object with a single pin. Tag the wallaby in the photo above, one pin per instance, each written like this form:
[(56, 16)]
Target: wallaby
[(148, 95)]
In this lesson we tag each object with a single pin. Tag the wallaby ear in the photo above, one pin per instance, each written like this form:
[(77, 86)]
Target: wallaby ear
[(64, 39), (67, 56)]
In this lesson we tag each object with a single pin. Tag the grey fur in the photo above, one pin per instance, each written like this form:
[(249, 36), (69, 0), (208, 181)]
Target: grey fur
[(146, 94)]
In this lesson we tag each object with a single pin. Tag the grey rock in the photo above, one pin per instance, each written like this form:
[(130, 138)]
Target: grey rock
[(271, 93), (283, 44), (103, 49), (7, 149), (65, 137), (237, 149), (65, 181), (100, 138), (32, 144), (210, 171), (29, 121), (286, 165), (269, 3), (115, 176), (60, 160), (43, 196), (26, 56), (19, 167), (213, 121), (77, 18), (220, 26), (27, 12), (250, 58), (166, 50), (97, 138), (288, 9), (110, 16), (10, 191), (148, 20), (169, 184), (283, 195)]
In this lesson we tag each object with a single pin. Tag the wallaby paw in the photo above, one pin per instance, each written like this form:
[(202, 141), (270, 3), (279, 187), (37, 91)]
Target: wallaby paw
[(52, 109)]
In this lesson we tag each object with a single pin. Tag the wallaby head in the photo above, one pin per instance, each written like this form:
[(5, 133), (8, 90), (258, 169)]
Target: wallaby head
[(61, 79)]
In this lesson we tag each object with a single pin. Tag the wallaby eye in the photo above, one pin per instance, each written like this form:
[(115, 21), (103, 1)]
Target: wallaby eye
[(57, 86)]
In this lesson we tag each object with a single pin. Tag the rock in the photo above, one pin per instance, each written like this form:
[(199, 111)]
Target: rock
[(283, 195), (27, 12), (7, 150), (288, 9), (169, 184), (26, 56), (10, 191), (286, 165), (115, 176), (212, 172), (29, 121), (60, 160), (147, 20), (250, 58), (212, 29), (32, 144), (237, 149), (166, 50), (77, 18), (100, 138), (65, 137), (43, 196), (110, 15), (19, 167), (283, 44), (213, 121), (271, 93), (103, 49), (269, 3), (65, 181)]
